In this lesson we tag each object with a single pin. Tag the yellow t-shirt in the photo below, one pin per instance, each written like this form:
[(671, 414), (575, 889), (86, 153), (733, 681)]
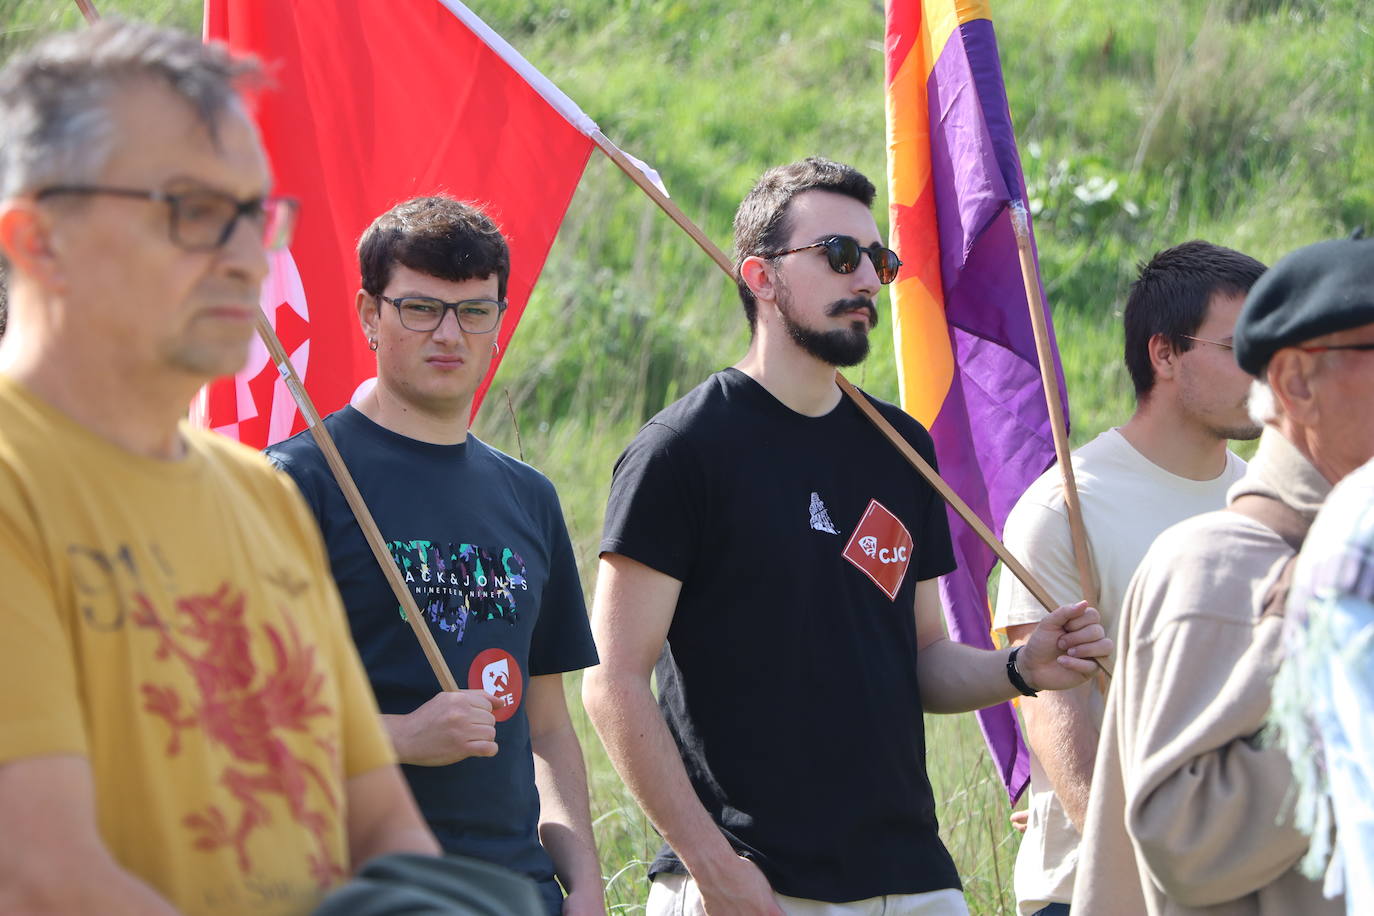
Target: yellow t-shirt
[(175, 622)]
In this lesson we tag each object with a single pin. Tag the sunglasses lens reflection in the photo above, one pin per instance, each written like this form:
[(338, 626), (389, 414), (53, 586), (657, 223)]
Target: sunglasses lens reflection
[(887, 264), (844, 252)]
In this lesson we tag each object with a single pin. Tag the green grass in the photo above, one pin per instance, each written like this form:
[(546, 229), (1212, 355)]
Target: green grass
[(1246, 122)]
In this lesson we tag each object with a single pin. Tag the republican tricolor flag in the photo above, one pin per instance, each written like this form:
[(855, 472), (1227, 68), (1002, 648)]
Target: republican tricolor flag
[(966, 354), (370, 104)]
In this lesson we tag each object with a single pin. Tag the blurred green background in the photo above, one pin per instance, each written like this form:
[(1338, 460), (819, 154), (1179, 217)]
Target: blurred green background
[(1244, 122)]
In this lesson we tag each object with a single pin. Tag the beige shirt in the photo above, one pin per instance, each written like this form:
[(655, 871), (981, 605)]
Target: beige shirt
[(1190, 812), (1126, 500)]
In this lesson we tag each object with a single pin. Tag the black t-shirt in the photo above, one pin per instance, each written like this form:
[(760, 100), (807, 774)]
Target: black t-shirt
[(789, 680), (480, 538)]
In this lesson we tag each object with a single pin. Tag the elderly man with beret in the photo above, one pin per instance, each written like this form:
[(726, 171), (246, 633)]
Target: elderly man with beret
[(1191, 810)]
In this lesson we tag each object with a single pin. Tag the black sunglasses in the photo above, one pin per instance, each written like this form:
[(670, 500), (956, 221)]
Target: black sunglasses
[(843, 253)]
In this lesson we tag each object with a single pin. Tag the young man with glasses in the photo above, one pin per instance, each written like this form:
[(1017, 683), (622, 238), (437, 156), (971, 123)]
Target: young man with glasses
[(479, 538), (1168, 462), (788, 555), (185, 726)]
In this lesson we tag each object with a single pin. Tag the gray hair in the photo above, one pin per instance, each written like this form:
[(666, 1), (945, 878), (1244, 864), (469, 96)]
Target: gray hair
[(55, 125), (1263, 406)]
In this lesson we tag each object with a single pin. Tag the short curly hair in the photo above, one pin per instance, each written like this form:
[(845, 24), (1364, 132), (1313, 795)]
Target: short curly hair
[(438, 236)]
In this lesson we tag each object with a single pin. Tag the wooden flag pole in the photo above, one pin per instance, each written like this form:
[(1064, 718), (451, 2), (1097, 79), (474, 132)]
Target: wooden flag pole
[(1049, 380), (345, 480), (956, 503), (664, 202), (933, 477), (355, 502), (922, 466)]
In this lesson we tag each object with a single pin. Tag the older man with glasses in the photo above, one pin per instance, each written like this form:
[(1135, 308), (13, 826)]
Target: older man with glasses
[(480, 539), (186, 727)]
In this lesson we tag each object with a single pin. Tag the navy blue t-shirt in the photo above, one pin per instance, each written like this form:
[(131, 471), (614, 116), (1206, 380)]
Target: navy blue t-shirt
[(480, 539), (790, 680)]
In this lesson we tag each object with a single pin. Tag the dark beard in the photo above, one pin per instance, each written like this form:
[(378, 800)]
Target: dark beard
[(845, 347)]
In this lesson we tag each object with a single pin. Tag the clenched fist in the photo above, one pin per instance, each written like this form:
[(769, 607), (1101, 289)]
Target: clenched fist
[(450, 727)]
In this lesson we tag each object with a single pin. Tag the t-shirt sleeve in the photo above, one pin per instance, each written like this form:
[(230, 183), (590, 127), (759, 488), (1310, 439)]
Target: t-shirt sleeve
[(42, 712), (302, 466), (657, 503), (365, 742), (562, 637), (1039, 537)]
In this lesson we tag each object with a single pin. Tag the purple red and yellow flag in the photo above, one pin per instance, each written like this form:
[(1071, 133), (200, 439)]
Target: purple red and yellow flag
[(966, 358)]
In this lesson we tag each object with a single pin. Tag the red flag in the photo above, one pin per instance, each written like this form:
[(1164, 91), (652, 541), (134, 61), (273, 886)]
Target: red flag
[(370, 104)]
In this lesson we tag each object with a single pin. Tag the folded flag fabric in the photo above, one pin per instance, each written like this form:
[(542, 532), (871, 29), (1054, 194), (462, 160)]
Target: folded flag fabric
[(966, 356)]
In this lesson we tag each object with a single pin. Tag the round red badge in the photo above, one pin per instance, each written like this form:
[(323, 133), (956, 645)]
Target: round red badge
[(496, 672)]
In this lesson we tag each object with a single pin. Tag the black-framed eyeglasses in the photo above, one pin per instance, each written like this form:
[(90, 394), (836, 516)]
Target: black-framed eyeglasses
[(203, 219), (843, 253), (1319, 348), (421, 313), (1216, 343)]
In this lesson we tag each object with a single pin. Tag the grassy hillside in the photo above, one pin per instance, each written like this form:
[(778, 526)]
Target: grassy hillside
[(1246, 122)]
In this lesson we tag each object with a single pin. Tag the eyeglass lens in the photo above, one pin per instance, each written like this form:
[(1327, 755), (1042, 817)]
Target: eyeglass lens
[(475, 316), (204, 220), (843, 252)]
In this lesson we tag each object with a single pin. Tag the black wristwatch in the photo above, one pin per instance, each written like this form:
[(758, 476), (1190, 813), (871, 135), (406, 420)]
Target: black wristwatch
[(1015, 677)]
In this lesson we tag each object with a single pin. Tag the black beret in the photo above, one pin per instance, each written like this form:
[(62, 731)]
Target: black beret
[(1320, 289)]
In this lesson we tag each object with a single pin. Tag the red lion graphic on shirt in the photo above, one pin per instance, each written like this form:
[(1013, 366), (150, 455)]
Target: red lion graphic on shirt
[(245, 711)]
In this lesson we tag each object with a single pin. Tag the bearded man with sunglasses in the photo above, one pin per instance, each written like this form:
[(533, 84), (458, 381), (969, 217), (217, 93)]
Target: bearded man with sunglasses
[(480, 539), (185, 726), (777, 558)]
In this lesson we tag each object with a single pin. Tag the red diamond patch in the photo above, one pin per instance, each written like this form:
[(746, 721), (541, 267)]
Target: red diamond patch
[(881, 548)]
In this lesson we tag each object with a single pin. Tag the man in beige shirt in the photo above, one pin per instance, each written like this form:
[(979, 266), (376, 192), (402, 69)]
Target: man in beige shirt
[(1189, 810), (1168, 462)]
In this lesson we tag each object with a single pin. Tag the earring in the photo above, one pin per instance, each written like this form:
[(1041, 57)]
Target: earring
[(372, 344), (496, 348)]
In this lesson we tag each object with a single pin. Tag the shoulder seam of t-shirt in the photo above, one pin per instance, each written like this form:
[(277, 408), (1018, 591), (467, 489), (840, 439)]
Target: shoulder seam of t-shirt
[(655, 421), (680, 440)]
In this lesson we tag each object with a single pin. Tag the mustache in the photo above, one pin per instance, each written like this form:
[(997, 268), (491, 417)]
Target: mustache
[(858, 303)]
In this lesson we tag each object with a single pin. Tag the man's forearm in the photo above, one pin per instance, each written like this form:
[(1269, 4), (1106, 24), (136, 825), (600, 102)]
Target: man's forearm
[(565, 820), (103, 892), (1060, 730), (959, 678), (53, 859), (631, 727), (397, 730), (399, 836), (383, 818)]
